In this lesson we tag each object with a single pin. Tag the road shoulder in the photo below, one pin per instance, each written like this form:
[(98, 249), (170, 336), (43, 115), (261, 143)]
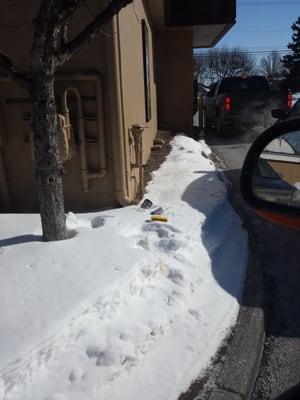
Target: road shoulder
[(245, 350)]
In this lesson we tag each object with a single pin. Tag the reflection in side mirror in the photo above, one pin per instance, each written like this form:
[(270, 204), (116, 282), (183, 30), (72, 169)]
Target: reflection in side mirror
[(279, 113), (276, 176)]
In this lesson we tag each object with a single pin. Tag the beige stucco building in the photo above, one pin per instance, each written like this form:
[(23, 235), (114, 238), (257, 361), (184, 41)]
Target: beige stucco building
[(134, 78)]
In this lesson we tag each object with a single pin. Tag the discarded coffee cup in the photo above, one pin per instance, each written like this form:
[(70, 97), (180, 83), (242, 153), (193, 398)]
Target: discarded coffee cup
[(157, 211), (147, 204)]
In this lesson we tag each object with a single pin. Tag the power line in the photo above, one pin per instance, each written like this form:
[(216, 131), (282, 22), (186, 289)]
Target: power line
[(245, 49), (255, 48), (268, 47), (253, 53), (256, 53), (264, 30), (268, 3)]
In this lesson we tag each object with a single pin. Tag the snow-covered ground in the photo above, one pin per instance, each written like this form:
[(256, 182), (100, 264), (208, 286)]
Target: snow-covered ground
[(126, 309)]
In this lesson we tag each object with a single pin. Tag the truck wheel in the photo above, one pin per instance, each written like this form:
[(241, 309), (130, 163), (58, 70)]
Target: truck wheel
[(220, 127), (207, 121)]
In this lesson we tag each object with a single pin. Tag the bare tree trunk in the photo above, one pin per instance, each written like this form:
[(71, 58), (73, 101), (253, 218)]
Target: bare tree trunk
[(48, 165), (50, 50)]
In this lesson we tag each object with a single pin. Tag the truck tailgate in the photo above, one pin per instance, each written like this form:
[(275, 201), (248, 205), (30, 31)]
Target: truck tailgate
[(254, 100)]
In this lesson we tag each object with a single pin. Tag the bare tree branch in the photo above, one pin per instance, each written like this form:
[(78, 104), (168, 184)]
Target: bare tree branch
[(271, 65), (90, 30), (7, 66), (223, 62), (51, 24), (66, 9)]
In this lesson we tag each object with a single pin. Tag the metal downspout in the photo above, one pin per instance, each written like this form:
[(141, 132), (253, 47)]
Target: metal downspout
[(137, 133), (120, 159), (102, 144), (5, 198), (4, 191)]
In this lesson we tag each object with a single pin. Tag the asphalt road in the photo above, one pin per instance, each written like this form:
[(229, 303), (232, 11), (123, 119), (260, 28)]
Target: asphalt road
[(279, 250), (232, 150)]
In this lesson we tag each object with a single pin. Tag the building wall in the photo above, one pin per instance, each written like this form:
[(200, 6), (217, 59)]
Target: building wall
[(290, 172), (98, 57), (92, 57), (14, 131), (174, 71), (132, 80)]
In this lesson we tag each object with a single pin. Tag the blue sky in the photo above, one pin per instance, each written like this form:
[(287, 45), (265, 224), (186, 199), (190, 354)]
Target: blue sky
[(262, 25)]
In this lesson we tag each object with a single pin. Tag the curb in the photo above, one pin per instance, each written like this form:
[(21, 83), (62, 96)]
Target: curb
[(237, 379), (243, 358)]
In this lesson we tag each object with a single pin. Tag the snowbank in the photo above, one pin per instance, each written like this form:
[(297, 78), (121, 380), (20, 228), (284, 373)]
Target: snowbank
[(127, 308)]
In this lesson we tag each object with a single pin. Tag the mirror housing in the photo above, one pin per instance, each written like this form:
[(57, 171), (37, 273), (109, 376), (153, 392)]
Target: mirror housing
[(274, 211), (279, 113)]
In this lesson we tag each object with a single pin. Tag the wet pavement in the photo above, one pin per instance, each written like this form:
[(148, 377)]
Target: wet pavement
[(279, 251)]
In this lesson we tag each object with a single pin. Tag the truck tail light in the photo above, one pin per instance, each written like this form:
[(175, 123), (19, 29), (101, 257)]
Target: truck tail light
[(227, 103), (289, 100)]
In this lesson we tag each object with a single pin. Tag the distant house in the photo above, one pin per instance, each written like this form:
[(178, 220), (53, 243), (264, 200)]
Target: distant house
[(134, 78)]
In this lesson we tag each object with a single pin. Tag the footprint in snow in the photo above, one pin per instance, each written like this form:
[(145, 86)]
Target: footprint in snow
[(169, 245), (166, 234), (97, 222), (173, 298), (128, 361), (144, 244), (124, 336), (77, 374), (93, 352), (103, 357), (175, 276), (196, 314), (149, 272), (161, 230)]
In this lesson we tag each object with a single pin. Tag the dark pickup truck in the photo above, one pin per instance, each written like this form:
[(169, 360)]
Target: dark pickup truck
[(237, 102)]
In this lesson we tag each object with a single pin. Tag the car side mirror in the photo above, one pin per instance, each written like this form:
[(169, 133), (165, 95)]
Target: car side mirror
[(279, 113), (270, 177)]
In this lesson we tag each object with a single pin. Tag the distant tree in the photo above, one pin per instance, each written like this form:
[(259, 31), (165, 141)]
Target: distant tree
[(291, 62), (51, 49), (218, 63), (271, 65), (199, 66)]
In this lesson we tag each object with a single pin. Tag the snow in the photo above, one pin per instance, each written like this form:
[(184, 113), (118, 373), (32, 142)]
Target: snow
[(127, 308)]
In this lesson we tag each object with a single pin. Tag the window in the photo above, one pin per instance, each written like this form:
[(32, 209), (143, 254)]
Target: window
[(146, 61), (239, 83)]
